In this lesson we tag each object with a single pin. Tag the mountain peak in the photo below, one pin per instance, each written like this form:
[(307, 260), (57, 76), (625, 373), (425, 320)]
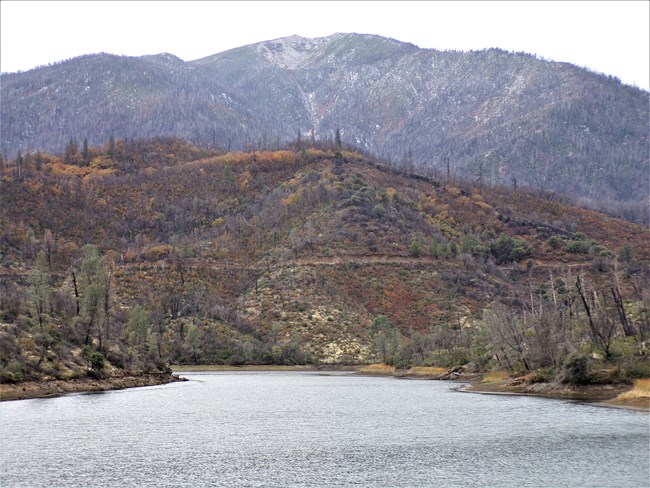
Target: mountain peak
[(291, 52), (547, 125), (166, 58)]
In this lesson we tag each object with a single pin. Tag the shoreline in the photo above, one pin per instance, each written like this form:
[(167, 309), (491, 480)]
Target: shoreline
[(599, 395), (248, 367), (262, 367), (27, 390), (612, 395), (608, 395)]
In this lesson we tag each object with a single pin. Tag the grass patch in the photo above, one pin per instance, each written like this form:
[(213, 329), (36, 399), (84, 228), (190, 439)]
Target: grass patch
[(377, 369), (638, 396), (494, 376), (427, 371)]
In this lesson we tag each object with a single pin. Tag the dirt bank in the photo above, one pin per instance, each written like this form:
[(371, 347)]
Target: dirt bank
[(53, 388), (619, 395), (611, 395)]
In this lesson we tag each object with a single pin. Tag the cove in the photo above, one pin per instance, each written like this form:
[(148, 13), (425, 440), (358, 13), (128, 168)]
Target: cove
[(313, 429)]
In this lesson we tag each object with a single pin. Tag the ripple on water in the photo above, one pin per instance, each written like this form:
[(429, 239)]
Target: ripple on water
[(303, 429)]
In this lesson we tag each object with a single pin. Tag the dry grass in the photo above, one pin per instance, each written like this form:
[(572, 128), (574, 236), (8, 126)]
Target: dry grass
[(637, 397), (427, 371), (494, 376), (643, 385), (377, 369)]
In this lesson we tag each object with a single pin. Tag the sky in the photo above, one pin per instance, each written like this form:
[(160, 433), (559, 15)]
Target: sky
[(610, 37)]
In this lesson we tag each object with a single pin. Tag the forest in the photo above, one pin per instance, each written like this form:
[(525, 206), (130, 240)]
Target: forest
[(135, 254)]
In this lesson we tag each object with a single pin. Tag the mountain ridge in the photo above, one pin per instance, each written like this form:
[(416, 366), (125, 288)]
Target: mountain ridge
[(504, 115)]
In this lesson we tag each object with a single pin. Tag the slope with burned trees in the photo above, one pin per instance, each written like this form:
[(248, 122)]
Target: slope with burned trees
[(138, 253), (504, 116)]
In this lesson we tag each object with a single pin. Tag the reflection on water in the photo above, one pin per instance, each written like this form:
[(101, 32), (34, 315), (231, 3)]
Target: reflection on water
[(297, 429)]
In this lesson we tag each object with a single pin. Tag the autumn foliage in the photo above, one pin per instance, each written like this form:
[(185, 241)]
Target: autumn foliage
[(287, 256)]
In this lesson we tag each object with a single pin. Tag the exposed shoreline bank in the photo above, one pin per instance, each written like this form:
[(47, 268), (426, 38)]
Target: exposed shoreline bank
[(54, 388), (603, 395), (618, 395), (26, 390)]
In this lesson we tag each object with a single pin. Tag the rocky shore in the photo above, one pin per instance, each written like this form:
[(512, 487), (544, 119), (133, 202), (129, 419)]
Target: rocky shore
[(53, 388)]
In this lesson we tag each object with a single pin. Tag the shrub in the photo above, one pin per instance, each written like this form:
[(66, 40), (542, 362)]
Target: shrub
[(97, 361), (625, 253), (555, 242), (13, 372), (453, 249), (576, 369), (506, 249), (10, 377), (439, 250), (378, 211), (415, 248), (578, 247)]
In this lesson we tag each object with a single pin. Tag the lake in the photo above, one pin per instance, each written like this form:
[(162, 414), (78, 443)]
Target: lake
[(311, 429)]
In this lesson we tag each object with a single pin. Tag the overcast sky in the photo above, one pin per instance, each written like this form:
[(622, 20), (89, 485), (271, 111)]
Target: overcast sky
[(610, 37)]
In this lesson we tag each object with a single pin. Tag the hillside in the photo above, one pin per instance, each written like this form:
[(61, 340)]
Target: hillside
[(505, 116), (156, 251)]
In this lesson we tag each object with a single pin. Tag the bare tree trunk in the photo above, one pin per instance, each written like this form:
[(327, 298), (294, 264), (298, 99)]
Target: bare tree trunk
[(107, 305), (90, 326), (628, 328), (76, 290), (581, 292)]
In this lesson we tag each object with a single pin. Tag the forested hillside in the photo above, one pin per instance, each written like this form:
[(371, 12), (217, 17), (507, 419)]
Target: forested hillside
[(137, 253), (492, 115)]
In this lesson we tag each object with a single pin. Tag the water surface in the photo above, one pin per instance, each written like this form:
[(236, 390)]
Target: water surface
[(305, 429)]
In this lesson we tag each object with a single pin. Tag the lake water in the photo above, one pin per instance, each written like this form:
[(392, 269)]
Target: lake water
[(299, 429)]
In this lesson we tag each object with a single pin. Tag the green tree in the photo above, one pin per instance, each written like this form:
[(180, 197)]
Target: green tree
[(192, 342), (111, 146), (85, 153), (39, 290), (92, 283), (337, 145), (96, 361), (137, 327), (71, 154), (415, 248), (625, 253), (385, 338)]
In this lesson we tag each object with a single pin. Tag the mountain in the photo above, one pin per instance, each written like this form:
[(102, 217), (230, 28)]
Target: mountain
[(494, 115), (159, 251)]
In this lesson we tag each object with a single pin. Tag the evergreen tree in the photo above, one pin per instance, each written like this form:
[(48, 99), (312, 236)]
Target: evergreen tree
[(85, 154), (111, 146), (71, 155), (337, 146)]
